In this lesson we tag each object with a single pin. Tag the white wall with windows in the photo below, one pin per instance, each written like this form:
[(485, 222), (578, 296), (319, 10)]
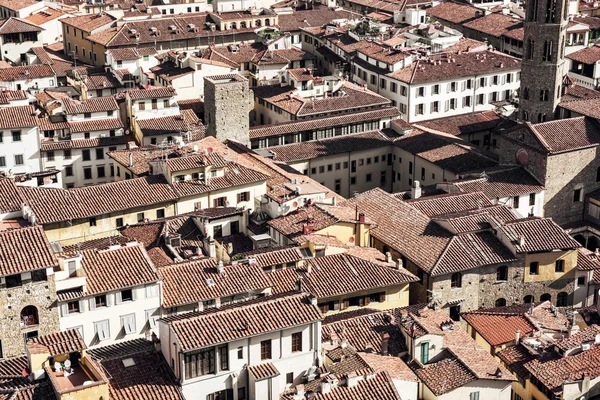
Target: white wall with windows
[(20, 150), (106, 318)]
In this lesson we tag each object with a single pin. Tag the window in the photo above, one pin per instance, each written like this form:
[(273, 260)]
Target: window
[(244, 196), (424, 353), (241, 393), (353, 180), (338, 186), (516, 202), (128, 323), (534, 268), (369, 178), (101, 329), (502, 273), (421, 92), (224, 357), (50, 156), (87, 173), (576, 195), (435, 106), (435, 89), (99, 154), (92, 221), (19, 159), (2, 161), (562, 299), (265, 350), (456, 280), (240, 353), (455, 313), (220, 202), (73, 307), (528, 299), (410, 167), (422, 174), (289, 378), (598, 174), (559, 266), (119, 222), (296, 341), (501, 302), (546, 297), (100, 301), (382, 178), (140, 217), (85, 155), (474, 396), (160, 213), (581, 281), (16, 136), (419, 109), (199, 363), (67, 154), (101, 171), (13, 281), (142, 105), (126, 295)]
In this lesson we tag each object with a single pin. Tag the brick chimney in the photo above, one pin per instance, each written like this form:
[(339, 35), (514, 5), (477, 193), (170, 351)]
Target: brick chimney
[(385, 339)]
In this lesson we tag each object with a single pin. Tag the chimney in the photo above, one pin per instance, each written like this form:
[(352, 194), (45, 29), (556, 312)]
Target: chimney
[(517, 336), (521, 240), (220, 267), (130, 159), (212, 249), (361, 218), (399, 263), (305, 229), (388, 257), (352, 379), (415, 191), (344, 343), (325, 387), (385, 338), (298, 286)]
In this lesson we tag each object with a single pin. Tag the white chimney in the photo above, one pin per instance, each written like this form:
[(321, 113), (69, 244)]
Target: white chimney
[(130, 159), (415, 191), (220, 267), (517, 336)]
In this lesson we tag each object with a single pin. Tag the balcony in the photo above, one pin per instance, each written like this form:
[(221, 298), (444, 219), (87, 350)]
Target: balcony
[(84, 381)]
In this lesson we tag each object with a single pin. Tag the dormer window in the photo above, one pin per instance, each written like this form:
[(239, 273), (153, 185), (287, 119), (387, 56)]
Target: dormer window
[(87, 115), (126, 295)]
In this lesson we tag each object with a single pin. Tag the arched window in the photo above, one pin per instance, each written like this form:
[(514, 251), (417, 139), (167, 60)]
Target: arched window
[(530, 49), (525, 94), (502, 273), (500, 302), (593, 243), (528, 299), (233, 25), (267, 22), (580, 239), (562, 299), (258, 23), (243, 25), (546, 297), (29, 316), (456, 280)]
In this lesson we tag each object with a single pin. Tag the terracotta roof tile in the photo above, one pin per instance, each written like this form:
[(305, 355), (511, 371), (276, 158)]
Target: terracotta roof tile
[(95, 125), (88, 143), (501, 182), (17, 117), (151, 92), (114, 269), (515, 358), (25, 249), (59, 343), (588, 55), (220, 325), (196, 281), (567, 134), (149, 378), (131, 53), (88, 23), (173, 124), (263, 371), (449, 203), (42, 17), (585, 336), (27, 72), (499, 329), (446, 375), (394, 366), (541, 234), (10, 200), (318, 16), (454, 12), (17, 25), (91, 105), (463, 124), (498, 24)]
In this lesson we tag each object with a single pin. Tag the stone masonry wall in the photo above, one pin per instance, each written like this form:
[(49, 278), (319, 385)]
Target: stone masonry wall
[(227, 105)]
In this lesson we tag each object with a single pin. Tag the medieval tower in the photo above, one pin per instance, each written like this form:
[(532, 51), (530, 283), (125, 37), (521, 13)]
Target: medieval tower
[(543, 59)]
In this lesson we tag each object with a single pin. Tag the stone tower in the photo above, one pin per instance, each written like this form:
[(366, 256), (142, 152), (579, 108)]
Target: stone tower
[(543, 59), (227, 102)]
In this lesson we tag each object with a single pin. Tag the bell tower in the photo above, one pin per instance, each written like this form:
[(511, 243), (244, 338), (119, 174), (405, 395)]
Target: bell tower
[(543, 59)]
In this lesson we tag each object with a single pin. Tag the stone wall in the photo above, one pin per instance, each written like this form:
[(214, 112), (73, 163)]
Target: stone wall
[(227, 104), (42, 295)]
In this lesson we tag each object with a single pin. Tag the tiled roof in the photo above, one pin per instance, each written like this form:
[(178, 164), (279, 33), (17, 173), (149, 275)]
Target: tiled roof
[(450, 203), (131, 53), (25, 249), (58, 343), (149, 378), (54, 205), (321, 276), (463, 124), (212, 213), (498, 24), (10, 200), (330, 146), (194, 161), (6, 96), (454, 12), (501, 182), (91, 105), (114, 269), (475, 220), (42, 17), (88, 143), (173, 124), (17, 5), (498, 329), (151, 92), (17, 117), (319, 123), (586, 335), (102, 81), (446, 375), (354, 98), (274, 257), (318, 16), (69, 294), (364, 330), (587, 107), (263, 371), (394, 366), (554, 373), (292, 223), (458, 66), (587, 260), (88, 23), (27, 72), (588, 55), (95, 125), (193, 282), (567, 134), (447, 152), (541, 234), (515, 358), (220, 325), (17, 25)]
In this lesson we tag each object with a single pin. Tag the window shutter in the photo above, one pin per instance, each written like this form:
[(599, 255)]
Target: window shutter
[(82, 305), (463, 85), (447, 106), (367, 300), (92, 303), (109, 300), (134, 295), (118, 298), (239, 197), (64, 309)]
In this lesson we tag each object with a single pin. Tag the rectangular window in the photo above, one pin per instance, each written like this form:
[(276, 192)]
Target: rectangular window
[(296, 341), (532, 199), (19, 159), (516, 202), (101, 329), (101, 171), (126, 295), (73, 307), (424, 353), (119, 222), (474, 396), (224, 357), (85, 155), (2, 161), (410, 167), (16, 136), (99, 154), (534, 268), (199, 363), (140, 217), (87, 173), (100, 301), (265, 350), (128, 324), (577, 195), (289, 378), (220, 201), (160, 213), (50, 156), (92, 221), (559, 266), (142, 105)]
